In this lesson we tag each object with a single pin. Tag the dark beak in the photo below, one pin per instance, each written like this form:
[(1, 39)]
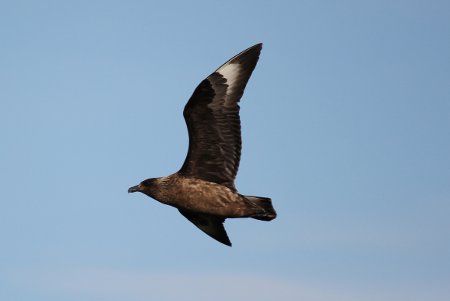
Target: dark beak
[(133, 189)]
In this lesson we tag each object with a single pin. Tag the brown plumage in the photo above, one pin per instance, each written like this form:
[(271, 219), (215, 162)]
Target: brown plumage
[(203, 189)]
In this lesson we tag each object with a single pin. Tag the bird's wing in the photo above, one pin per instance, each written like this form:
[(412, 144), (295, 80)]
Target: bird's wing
[(212, 118), (211, 225)]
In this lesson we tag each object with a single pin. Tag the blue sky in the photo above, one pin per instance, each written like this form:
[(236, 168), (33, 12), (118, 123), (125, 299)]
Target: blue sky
[(346, 126)]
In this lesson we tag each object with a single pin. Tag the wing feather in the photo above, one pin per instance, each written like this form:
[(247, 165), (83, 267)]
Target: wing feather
[(212, 119), (211, 225)]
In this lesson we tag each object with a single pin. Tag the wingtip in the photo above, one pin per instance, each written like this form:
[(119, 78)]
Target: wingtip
[(226, 242), (222, 238), (258, 46)]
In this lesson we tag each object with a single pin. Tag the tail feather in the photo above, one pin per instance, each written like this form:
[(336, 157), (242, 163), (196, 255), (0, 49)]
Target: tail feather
[(266, 212)]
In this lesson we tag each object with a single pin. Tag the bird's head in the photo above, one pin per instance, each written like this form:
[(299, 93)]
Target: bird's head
[(147, 186)]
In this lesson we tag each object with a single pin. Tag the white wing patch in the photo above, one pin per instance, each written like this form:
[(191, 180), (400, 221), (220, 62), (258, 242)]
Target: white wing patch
[(231, 73)]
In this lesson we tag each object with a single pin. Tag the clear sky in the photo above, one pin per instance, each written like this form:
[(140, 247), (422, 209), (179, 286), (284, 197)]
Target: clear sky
[(346, 126)]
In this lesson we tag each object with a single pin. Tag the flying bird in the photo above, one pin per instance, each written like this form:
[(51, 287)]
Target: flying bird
[(203, 189)]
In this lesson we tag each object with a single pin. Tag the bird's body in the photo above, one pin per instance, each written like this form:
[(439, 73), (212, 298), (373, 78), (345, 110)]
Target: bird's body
[(203, 189), (196, 195)]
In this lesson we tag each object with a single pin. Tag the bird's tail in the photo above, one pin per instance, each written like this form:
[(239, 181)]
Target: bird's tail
[(266, 211)]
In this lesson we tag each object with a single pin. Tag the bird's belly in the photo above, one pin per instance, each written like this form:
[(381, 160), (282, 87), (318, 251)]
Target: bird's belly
[(206, 197)]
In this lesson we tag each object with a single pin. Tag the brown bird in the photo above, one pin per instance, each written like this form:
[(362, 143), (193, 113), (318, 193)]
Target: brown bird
[(203, 189)]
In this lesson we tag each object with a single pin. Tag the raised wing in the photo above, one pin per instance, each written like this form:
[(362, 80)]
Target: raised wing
[(212, 118)]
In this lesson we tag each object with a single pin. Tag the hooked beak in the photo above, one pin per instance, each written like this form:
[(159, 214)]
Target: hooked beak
[(133, 189)]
